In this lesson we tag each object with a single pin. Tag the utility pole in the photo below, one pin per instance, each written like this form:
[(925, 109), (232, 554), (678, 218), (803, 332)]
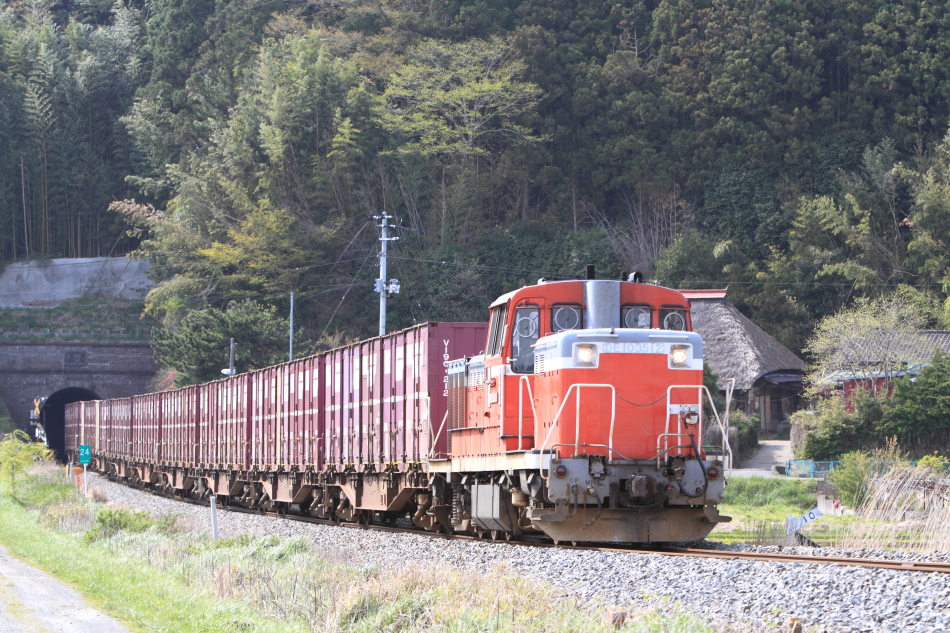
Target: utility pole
[(291, 326), (230, 370), (382, 287)]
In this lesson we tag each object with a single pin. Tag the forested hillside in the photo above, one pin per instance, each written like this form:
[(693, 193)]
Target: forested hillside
[(790, 150)]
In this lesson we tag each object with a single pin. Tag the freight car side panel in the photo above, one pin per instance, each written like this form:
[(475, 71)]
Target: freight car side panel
[(310, 393), (385, 397), (119, 427), (73, 421), (264, 433), (89, 429), (333, 377), (180, 429), (146, 412), (231, 432)]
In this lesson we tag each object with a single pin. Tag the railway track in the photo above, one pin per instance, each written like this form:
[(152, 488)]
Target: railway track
[(895, 565)]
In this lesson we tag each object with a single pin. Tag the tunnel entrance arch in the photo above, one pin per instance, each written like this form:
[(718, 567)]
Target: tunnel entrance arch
[(54, 416)]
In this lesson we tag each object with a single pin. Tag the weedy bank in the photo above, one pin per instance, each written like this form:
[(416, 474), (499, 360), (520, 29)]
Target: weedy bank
[(759, 506), (152, 574)]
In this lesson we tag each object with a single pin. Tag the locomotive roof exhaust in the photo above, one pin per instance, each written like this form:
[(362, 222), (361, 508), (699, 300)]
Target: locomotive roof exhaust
[(603, 304), (590, 272)]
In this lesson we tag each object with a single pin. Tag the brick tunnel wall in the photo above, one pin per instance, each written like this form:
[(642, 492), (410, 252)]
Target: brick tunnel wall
[(31, 369)]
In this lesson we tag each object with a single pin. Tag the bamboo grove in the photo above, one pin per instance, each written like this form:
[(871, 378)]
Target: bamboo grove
[(792, 150)]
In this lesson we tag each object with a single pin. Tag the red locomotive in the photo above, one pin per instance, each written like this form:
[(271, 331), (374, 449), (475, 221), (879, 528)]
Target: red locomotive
[(576, 414)]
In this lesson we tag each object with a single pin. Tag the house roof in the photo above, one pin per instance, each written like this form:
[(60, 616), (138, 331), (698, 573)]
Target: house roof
[(703, 294), (934, 340), (734, 346)]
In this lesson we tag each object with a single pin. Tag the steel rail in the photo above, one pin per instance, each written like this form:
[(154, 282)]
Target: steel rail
[(873, 563)]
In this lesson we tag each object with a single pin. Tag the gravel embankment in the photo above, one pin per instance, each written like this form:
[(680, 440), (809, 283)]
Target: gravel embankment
[(826, 598)]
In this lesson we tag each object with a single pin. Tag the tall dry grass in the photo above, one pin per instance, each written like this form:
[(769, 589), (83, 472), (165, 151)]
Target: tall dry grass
[(905, 508)]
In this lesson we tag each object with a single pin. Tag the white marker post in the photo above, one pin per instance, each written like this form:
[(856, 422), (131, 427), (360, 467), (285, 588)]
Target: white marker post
[(794, 524), (214, 518), (85, 485)]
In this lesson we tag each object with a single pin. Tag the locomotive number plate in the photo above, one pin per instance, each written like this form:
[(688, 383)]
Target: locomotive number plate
[(634, 348)]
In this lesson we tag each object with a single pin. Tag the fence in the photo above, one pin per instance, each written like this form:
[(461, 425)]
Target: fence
[(807, 468), (810, 469)]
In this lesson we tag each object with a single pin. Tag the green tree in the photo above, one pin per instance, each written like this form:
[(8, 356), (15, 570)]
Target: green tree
[(197, 348), (17, 453), (921, 406), (458, 100), (875, 337)]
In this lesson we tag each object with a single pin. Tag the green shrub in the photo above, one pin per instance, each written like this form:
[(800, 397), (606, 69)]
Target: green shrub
[(921, 405), (112, 521), (936, 462), (747, 424), (833, 431), (852, 477)]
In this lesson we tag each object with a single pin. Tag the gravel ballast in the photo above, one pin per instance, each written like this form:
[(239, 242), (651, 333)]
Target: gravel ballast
[(826, 597)]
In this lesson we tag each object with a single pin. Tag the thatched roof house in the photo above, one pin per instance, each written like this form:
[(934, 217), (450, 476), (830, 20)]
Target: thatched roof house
[(768, 376)]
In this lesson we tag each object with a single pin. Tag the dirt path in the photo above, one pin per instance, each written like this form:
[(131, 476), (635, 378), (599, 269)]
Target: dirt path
[(32, 601), (771, 453)]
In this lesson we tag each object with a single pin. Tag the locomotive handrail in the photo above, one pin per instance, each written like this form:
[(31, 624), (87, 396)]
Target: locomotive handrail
[(577, 418), (622, 456), (727, 448), (534, 411)]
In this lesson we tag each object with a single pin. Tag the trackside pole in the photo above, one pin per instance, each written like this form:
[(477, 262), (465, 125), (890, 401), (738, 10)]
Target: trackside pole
[(214, 517), (85, 485)]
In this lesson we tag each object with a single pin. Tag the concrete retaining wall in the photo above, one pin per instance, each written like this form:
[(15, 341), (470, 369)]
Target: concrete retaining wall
[(48, 283)]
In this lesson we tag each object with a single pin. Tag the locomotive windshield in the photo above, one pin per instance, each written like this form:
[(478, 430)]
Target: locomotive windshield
[(636, 317), (525, 334), (566, 317), (673, 319)]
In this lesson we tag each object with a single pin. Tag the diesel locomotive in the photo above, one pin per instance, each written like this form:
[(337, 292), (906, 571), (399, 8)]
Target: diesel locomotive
[(576, 414)]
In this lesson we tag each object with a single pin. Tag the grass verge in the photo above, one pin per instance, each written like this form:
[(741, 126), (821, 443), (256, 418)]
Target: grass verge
[(156, 578), (119, 584)]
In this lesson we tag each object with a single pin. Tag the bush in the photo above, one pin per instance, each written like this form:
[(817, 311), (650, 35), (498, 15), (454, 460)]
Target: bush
[(747, 424), (833, 431), (852, 477), (758, 492), (936, 462), (111, 521)]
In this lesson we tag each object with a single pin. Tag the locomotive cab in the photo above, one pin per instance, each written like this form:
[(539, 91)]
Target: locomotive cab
[(588, 402)]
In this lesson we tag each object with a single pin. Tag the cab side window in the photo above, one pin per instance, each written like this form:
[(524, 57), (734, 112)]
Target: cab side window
[(496, 330), (523, 336)]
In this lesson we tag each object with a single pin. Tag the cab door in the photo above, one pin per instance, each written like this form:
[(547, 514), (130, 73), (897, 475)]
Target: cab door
[(525, 325)]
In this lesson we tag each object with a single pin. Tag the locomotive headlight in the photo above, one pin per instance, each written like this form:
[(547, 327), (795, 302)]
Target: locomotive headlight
[(679, 356), (585, 356)]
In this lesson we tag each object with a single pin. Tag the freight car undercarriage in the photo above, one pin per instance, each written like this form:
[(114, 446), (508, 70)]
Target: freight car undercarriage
[(577, 499)]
